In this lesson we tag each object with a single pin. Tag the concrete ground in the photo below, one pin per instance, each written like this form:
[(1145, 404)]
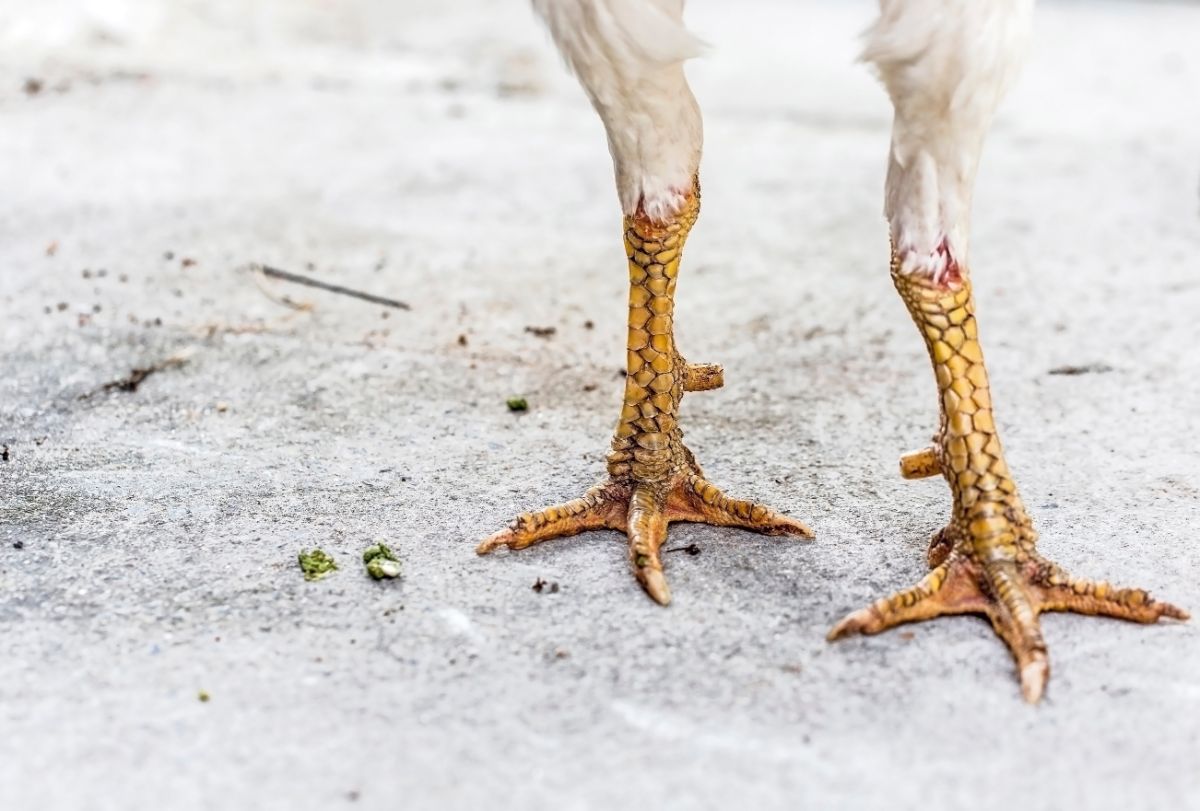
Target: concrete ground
[(149, 537)]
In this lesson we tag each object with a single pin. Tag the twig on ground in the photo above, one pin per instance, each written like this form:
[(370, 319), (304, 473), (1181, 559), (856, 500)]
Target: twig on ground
[(213, 328), (136, 375), (287, 301), (1088, 368), (308, 281)]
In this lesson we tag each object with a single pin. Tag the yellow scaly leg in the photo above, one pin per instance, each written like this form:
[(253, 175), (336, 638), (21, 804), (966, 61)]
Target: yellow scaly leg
[(984, 561), (653, 479)]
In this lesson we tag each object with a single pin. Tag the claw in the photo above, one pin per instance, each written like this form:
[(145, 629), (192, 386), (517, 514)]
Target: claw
[(855, 622), (647, 531), (1034, 675), (655, 584), (492, 542)]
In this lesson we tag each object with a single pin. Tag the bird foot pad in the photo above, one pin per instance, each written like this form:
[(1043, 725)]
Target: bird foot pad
[(1011, 593), (643, 510)]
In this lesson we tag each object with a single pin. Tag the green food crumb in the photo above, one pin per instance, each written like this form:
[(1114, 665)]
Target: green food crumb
[(378, 550), (379, 568), (517, 404), (381, 561), (203, 696), (316, 564)]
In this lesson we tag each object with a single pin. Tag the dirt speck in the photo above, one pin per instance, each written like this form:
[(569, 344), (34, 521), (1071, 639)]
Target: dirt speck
[(135, 377), (1085, 369), (545, 586)]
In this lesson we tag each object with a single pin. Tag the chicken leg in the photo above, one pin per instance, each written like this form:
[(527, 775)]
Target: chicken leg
[(653, 479), (985, 560), (946, 64), (628, 57)]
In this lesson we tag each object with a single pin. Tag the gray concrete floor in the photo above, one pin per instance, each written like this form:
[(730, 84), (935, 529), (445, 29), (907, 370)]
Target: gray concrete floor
[(441, 157)]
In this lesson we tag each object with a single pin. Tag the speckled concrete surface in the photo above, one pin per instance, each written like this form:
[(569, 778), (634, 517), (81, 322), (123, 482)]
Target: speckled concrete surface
[(441, 157)]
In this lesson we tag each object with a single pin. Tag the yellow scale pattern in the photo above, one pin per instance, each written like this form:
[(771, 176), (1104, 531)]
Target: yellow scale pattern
[(653, 477), (987, 509), (985, 560), (647, 445)]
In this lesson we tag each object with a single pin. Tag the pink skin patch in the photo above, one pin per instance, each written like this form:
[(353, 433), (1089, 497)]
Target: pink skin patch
[(940, 265), (950, 276), (662, 210)]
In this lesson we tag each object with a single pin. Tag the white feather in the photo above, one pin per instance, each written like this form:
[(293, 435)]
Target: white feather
[(628, 55), (946, 64)]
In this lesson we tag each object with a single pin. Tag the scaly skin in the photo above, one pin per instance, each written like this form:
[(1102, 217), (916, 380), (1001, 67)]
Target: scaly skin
[(653, 479), (985, 560)]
